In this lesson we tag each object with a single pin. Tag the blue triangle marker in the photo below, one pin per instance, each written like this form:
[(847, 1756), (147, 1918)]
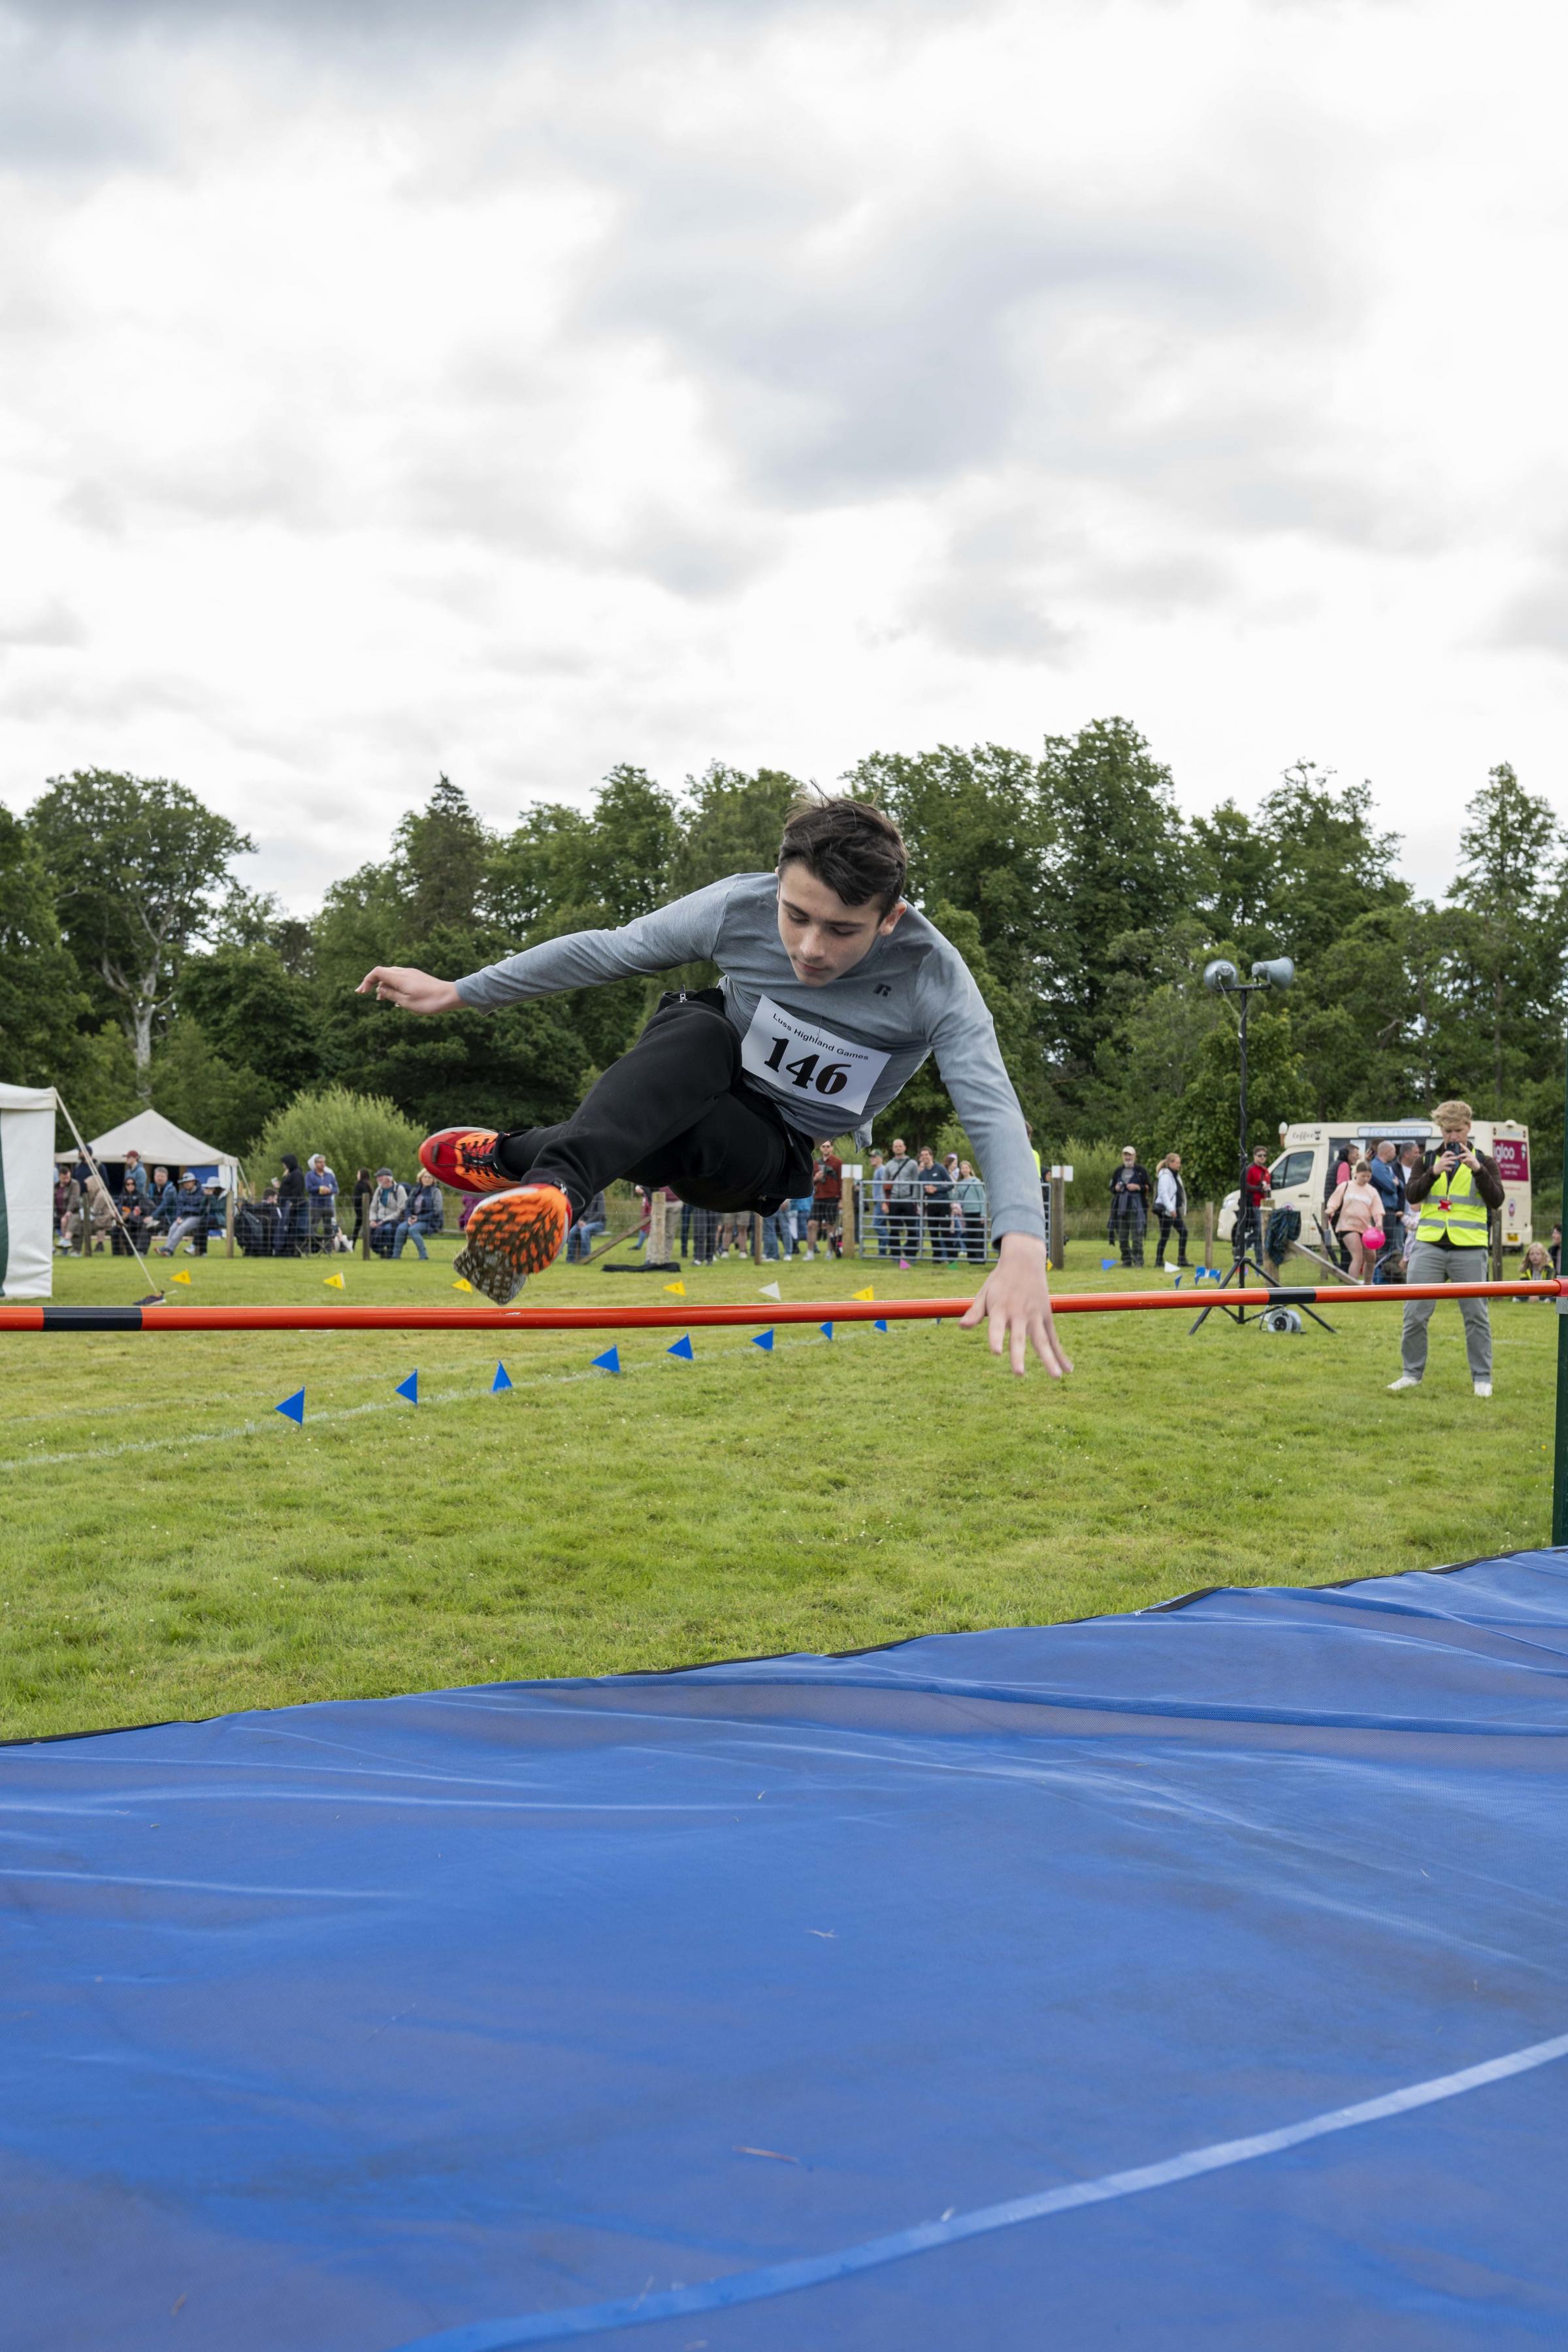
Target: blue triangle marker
[(1106, 1265), (501, 1380), (683, 1348), (292, 1408), (878, 1326), (825, 1330), (409, 1387), (764, 1339), (610, 1361)]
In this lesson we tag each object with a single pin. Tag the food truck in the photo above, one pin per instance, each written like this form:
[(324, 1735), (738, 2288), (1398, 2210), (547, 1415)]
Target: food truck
[(1302, 1177)]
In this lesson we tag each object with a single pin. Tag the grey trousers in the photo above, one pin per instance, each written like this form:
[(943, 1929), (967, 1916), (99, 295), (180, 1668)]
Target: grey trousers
[(1429, 1262)]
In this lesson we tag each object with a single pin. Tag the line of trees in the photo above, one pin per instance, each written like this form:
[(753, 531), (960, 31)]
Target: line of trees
[(135, 967)]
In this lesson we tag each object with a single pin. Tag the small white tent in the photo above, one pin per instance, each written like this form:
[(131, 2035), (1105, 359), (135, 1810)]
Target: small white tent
[(162, 1145), (26, 1191)]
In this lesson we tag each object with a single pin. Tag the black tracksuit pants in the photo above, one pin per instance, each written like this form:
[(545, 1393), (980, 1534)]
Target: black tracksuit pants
[(675, 1109)]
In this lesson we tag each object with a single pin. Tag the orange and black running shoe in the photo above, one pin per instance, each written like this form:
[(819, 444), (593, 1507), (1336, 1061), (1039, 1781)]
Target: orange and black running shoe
[(517, 1233), (465, 1158)]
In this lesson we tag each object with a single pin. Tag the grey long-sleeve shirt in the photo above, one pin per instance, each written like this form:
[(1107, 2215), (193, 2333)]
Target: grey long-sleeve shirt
[(830, 1056)]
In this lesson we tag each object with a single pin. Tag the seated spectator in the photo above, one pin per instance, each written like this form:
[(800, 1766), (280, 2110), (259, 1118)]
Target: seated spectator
[(592, 1221), (68, 1201), (215, 1215), (388, 1206), (259, 1225), (94, 1217), (427, 1203), (423, 1215), (161, 1202), (136, 1174), (189, 1213), (130, 1228)]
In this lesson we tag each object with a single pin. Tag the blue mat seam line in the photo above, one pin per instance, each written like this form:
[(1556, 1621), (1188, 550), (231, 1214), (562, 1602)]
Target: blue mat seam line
[(820, 2270)]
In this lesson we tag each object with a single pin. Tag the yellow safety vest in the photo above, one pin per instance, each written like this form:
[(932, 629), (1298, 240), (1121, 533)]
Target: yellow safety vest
[(1454, 1211)]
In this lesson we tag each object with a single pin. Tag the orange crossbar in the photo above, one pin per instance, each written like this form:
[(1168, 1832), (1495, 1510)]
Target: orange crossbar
[(42, 1315)]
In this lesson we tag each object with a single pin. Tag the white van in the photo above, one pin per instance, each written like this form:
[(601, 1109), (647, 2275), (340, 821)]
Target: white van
[(1303, 1175)]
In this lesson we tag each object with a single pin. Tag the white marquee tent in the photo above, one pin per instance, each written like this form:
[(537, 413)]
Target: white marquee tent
[(26, 1191), (162, 1145)]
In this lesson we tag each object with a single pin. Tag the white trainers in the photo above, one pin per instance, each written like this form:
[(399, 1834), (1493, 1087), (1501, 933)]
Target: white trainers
[(1483, 1388), (1403, 1381)]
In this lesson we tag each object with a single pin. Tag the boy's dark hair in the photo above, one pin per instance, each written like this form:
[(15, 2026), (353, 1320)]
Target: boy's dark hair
[(849, 845)]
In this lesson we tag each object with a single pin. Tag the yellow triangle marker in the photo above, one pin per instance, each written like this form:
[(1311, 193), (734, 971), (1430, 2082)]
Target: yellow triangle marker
[(180, 1277), (332, 1281), (461, 1285), (869, 1292), (676, 1289)]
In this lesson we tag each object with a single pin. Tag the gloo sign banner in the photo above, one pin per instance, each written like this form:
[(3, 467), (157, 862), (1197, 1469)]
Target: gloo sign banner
[(1511, 1153)]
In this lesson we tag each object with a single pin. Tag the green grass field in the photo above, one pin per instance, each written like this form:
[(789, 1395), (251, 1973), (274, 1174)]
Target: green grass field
[(172, 1547)]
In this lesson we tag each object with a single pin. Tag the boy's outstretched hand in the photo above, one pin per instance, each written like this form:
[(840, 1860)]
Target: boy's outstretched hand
[(415, 991), (1017, 1296)]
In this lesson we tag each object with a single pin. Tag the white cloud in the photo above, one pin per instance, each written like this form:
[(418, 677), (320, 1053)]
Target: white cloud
[(528, 389)]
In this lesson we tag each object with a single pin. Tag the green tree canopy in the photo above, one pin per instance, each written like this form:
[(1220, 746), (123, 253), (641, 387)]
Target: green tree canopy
[(40, 994), (138, 866)]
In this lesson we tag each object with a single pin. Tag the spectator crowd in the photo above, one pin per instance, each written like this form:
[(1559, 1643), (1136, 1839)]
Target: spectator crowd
[(296, 1213)]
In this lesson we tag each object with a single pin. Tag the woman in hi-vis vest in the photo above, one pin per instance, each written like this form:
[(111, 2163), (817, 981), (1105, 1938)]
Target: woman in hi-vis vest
[(1455, 1192)]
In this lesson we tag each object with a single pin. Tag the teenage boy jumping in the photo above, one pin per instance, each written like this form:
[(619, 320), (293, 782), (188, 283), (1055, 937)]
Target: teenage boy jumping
[(833, 992)]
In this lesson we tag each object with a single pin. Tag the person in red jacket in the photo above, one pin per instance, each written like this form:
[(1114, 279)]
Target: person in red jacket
[(1255, 1193)]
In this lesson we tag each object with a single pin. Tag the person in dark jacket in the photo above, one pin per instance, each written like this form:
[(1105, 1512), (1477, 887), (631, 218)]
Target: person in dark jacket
[(161, 1202), (1129, 1190), (936, 1203), (1387, 1179), (364, 1185), (293, 1205), (188, 1217), (131, 1228)]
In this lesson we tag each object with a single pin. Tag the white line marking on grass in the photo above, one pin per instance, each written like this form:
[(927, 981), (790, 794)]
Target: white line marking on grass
[(348, 1413)]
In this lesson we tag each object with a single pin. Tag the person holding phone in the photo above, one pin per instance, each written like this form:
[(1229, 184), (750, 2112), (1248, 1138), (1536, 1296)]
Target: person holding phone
[(1455, 1192)]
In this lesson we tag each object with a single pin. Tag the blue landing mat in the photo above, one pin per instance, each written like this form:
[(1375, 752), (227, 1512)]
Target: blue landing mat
[(1193, 1977)]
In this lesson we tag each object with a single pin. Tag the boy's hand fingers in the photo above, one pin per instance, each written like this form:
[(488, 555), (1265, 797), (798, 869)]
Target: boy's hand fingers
[(976, 1308)]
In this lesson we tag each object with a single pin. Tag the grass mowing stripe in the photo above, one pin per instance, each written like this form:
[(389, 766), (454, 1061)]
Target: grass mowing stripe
[(350, 1412)]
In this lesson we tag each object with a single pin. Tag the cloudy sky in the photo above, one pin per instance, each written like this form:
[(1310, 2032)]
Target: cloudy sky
[(519, 388)]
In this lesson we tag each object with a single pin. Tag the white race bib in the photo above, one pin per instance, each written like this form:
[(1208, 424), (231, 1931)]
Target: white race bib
[(810, 1067)]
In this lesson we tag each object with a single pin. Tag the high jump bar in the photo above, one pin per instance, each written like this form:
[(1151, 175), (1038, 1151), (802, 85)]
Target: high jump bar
[(42, 1315)]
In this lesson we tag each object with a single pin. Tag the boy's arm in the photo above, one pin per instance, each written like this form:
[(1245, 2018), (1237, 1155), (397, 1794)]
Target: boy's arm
[(1016, 1295), (683, 932)]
